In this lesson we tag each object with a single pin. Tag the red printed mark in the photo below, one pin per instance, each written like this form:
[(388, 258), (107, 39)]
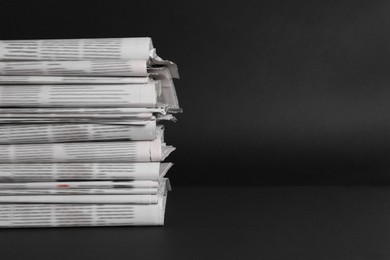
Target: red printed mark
[(62, 185)]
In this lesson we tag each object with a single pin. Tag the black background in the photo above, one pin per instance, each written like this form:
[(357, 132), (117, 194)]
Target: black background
[(273, 92)]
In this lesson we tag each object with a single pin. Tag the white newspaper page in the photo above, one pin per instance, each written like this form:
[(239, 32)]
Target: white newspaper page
[(42, 80), (119, 111), (81, 199), (58, 133), (80, 185), (129, 191), (110, 121), (46, 172), (77, 49), (63, 116), (128, 68), (132, 95), (70, 215), (121, 151)]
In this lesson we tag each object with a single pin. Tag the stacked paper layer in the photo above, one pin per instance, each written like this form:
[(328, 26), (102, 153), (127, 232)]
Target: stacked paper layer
[(81, 139)]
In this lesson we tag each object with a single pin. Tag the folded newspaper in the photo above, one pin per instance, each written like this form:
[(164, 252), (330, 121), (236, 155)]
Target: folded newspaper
[(81, 135)]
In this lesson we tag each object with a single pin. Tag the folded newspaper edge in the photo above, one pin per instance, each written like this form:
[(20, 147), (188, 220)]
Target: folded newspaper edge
[(140, 120), (68, 132), (71, 96), (104, 151), (68, 116), (74, 215), (154, 94), (168, 96), (89, 191), (46, 172), (51, 80), (81, 199), (118, 111), (69, 198), (69, 185), (88, 68), (113, 116)]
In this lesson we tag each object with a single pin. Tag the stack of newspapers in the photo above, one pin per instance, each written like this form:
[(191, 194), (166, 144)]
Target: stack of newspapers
[(81, 140)]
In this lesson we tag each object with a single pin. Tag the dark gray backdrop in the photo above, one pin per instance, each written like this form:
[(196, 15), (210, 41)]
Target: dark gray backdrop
[(274, 92)]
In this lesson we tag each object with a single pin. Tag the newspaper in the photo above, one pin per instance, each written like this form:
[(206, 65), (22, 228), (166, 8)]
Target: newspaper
[(57, 133), (77, 49), (84, 49), (47, 172), (65, 116), (80, 185), (130, 191), (118, 151), (119, 111), (125, 116), (81, 199), (63, 215), (41, 80), (121, 151), (129, 95), (110, 121), (129, 68), (136, 187), (73, 215), (66, 198), (80, 143)]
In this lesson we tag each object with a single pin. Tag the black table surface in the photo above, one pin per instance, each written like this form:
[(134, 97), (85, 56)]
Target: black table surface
[(231, 223)]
